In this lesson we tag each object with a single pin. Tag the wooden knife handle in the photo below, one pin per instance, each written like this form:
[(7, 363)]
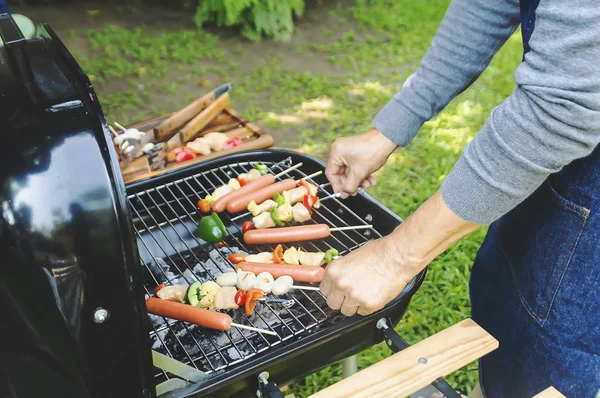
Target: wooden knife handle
[(165, 130), (194, 126)]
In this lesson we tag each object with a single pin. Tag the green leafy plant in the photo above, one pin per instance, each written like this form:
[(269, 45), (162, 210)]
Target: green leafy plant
[(257, 18)]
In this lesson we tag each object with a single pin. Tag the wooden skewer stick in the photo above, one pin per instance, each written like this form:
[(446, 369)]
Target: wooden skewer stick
[(237, 325), (318, 173), (314, 288), (294, 167), (119, 126), (349, 228), (335, 195), (113, 131)]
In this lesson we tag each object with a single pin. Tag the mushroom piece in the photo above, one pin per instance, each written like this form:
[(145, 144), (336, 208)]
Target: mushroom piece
[(225, 298), (282, 285), (172, 293), (264, 282), (227, 279), (245, 280)]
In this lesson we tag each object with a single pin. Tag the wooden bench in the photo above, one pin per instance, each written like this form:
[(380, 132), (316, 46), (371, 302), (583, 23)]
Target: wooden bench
[(419, 365)]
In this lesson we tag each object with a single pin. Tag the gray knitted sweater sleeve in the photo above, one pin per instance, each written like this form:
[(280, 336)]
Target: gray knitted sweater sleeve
[(551, 119)]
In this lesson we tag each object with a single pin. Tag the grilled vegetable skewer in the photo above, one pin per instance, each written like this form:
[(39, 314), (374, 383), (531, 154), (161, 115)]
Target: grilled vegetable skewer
[(197, 316), (288, 256), (246, 184), (241, 202)]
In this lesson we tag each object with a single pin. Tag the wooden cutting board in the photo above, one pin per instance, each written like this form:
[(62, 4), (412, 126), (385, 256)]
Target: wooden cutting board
[(228, 121)]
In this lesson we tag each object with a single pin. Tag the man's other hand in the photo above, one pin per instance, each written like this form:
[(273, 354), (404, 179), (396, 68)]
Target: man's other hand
[(353, 160)]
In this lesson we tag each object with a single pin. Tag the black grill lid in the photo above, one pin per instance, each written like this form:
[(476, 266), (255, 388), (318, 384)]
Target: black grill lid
[(73, 316)]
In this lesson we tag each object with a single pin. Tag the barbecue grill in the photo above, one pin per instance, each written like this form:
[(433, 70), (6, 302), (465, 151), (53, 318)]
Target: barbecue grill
[(81, 251), (309, 334)]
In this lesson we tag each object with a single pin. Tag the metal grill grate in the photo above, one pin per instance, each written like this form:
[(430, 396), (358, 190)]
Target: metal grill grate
[(165, 219)]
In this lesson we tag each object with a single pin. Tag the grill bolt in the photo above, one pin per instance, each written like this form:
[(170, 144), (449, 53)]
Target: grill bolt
[(100, 315), (422, 361)]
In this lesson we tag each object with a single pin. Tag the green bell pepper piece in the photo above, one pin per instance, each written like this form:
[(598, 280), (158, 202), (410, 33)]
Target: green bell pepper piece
[(262, 168), (193, 293), (330, 254), (211, 229), (276, 219), (278, 198)]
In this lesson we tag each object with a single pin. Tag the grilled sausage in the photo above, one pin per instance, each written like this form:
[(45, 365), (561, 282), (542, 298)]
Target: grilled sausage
[(299, 273), (240, 202), (221, 203), (188, 313), (286, 234)]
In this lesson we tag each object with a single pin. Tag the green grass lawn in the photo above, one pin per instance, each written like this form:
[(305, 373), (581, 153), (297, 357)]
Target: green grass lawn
[(352, 57)]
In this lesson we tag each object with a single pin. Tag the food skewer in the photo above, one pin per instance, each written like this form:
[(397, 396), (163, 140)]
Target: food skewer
[(299, 273), (295, 234), (334, 195), (265, 180), (241, 201), (313, 288), (198, 316)]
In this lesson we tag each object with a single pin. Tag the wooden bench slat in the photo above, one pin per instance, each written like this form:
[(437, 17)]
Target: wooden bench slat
[(402, 373)]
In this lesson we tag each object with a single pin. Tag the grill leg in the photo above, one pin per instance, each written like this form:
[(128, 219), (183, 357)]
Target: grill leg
[(349, 366)]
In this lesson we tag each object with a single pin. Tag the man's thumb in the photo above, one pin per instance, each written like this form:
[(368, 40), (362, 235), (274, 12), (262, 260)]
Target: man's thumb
[(353, 180)]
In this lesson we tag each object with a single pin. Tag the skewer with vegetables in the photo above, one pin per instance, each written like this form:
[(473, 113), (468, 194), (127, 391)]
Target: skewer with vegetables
[(279, 210), (240, 200), (195, 315), (290, 256), (244, 184)]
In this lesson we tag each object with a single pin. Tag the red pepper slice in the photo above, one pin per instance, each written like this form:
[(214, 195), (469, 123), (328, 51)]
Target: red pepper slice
[(158, 288), (247, 226), (184, 156), (309, 200), (241, 181), (303, 183), (251, 299), (220, 244), (232, 142), (278, 254), (240, 297)]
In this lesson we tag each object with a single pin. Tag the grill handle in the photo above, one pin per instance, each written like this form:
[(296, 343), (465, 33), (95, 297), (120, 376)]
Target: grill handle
[(266, 388), (397, 343)]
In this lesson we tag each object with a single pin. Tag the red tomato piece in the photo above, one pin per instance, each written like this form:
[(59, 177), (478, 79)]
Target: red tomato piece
[(236, 258), (247, 226), (240, 297)]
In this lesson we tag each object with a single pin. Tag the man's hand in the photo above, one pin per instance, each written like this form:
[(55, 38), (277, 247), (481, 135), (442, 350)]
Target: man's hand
[(365, 280), (353, 160)]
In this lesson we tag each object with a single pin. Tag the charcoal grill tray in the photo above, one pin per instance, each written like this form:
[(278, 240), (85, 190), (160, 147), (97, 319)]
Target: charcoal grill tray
[(310, 335)]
